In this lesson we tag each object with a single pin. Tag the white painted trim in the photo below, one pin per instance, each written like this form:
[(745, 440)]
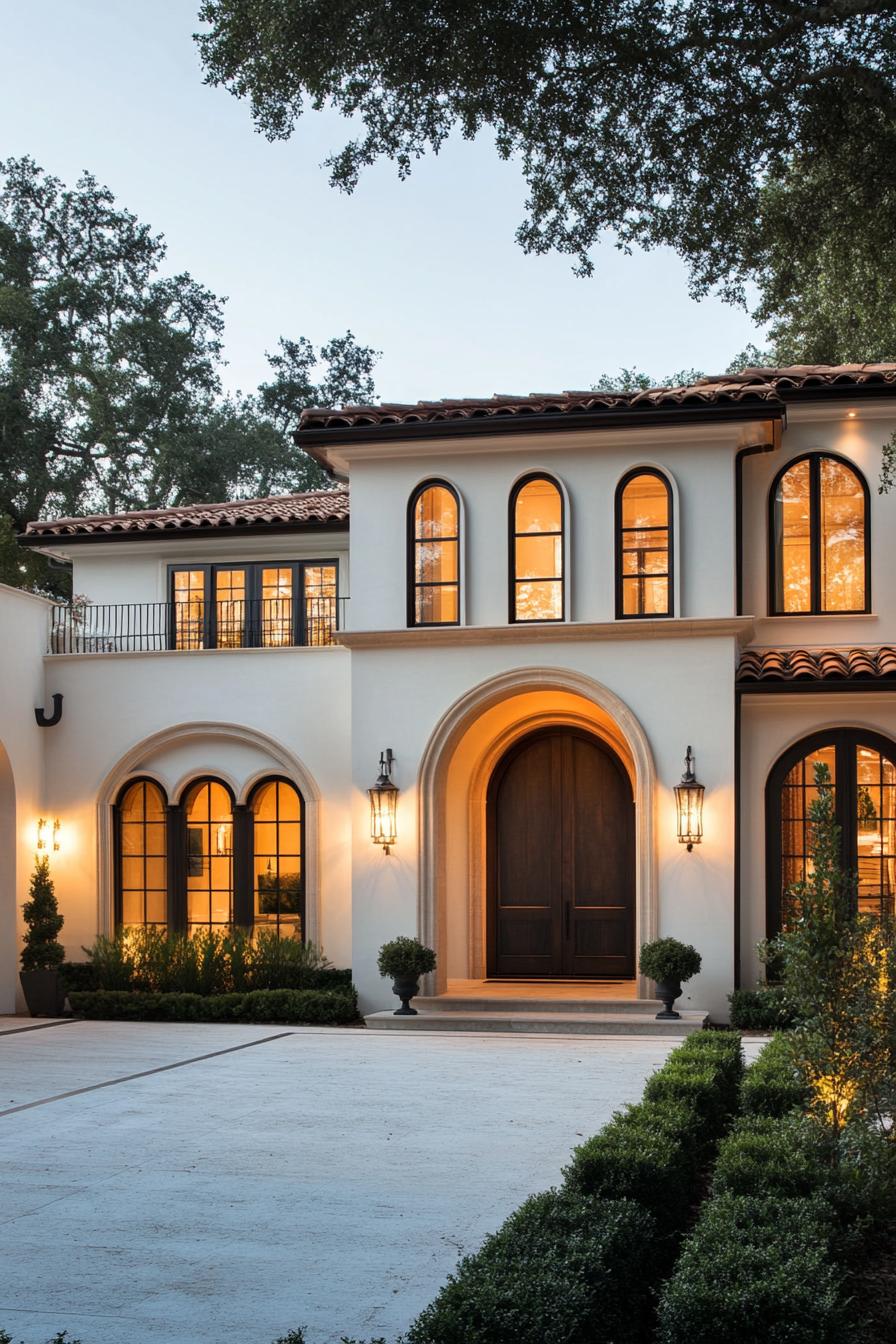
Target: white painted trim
[(550, 632), (284, 762), (432, 803)]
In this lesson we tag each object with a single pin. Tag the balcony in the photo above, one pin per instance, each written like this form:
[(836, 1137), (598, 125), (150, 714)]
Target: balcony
[(153, 627)]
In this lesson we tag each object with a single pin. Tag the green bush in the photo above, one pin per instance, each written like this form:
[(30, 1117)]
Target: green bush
[(772, 1084), (667, 961), (208, 962), (773, 1157), (756, 1271), (762, 1009), (309, 1006), (77, 975), (42, 950), (563, 1269), (405, 956), (648, 1153), (700, 1085)]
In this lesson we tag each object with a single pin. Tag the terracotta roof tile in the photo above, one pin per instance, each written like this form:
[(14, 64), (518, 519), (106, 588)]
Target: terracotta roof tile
[(313, 508), (790, 665), (759, 385)]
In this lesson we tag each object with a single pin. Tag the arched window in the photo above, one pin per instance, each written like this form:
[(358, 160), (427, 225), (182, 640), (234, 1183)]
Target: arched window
[(644, 565), (820, 557), (536, 550), (862, 768), (141, 856), (278, 867), (208, 817), (434, 555)]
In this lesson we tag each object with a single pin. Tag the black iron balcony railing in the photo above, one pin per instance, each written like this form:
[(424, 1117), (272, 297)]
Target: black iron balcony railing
[(132, 627)]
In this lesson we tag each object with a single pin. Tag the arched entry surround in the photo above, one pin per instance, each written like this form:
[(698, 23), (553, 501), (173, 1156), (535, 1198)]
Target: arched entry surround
[(456, 767), (202, 742)]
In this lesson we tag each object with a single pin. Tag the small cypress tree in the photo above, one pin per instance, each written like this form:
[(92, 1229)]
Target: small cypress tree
[(43, 950)]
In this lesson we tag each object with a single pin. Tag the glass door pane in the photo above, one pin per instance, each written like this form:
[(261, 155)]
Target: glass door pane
[(230, 608), (320, 603), (188, 591), (276, 607)]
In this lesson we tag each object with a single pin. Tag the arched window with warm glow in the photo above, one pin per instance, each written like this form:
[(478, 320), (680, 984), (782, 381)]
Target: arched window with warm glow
[(434, 555), (278, 864), (536, 550), (644, 563), (861, 767), (141, 856), (820, 556), (208, 817)]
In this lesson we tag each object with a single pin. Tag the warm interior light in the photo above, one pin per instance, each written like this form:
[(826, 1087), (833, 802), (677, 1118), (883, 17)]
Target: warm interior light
[(44, 830), (851, 415), (383, 804), (689, 804)]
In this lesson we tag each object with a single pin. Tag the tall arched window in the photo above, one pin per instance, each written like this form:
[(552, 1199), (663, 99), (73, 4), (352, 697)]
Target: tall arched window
[(862, 768), (644, 565), (208, 817), (141, 856), (820, 556), (434, 555), (278, 866), (536, 550)]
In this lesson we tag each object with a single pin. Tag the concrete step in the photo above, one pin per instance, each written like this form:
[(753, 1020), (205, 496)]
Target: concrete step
[(539, 1022), (491, 1003)]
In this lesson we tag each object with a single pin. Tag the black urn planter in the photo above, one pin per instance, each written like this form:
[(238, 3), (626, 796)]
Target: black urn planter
[(668, 991), (405, 986), (44, 993)]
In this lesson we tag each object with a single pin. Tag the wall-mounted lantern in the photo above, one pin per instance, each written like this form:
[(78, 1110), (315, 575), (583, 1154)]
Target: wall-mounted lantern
[(689, 803), (383, 800), (44, 833)]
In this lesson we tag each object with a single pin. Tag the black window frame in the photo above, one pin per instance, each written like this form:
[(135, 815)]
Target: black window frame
[(815, 459), (512, 535), (412, 542), (250, 805), (619, 532), (845, 742), (253, 571), (118, 852)]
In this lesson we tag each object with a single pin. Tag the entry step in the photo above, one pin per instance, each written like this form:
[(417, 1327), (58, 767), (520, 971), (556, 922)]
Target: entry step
[(538, 1019)]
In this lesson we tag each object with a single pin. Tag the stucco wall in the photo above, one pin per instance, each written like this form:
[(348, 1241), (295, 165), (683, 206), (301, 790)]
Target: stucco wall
[(297, 698), (23, 622), (680, 691)]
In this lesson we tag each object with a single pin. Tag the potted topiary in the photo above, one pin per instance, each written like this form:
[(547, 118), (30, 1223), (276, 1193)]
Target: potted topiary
[(405, 960), (669, 963), (42, 953)]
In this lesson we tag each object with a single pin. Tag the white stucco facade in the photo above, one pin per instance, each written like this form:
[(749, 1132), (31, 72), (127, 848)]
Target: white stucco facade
[(452, 701)]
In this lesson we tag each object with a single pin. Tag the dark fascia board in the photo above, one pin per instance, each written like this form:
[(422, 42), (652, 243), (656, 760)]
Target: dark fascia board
[(837, 392), (60, 541), (855, 685), (319, 439)]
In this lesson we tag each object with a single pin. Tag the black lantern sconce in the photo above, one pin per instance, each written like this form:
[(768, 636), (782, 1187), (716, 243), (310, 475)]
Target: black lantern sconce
[(689, 804), (383, 804)]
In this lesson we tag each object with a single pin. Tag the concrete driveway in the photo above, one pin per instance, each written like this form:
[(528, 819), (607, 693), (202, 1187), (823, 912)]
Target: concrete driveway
[(256, 1179)]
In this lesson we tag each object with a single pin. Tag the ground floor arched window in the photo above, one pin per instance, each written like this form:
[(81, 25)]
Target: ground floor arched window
[(862, 768), (205, 862)]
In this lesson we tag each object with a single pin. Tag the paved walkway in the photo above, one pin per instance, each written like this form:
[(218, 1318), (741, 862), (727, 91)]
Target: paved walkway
[(180, 1184)]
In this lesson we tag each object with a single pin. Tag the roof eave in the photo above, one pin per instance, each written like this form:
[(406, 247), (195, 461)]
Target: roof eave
[(64, 540)]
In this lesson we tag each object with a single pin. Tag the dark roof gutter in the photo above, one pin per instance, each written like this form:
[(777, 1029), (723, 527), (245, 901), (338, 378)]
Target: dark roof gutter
[(61, 540)]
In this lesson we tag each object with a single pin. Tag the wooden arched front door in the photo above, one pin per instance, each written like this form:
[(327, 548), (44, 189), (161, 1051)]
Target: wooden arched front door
[(561, 860)]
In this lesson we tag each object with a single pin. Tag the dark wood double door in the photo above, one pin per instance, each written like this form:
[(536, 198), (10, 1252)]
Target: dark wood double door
[(561, 860)]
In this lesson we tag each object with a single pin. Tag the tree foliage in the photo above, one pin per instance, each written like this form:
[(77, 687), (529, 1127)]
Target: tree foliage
[(42, 949), (663, 121), (110, 387)]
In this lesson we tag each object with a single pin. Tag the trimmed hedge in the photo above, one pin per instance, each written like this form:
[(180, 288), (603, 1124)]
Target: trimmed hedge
[(756, 1271), (563, 1269), (772, 1085), (309, 1006), (762, 1009), (653, 1152), (775, 1157)]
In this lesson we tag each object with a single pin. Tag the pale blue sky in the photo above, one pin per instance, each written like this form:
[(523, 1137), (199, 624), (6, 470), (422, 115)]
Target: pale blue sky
[(427, 270)]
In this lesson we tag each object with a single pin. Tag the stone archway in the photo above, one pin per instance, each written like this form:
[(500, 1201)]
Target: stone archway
[(528, 698), (160, 755)]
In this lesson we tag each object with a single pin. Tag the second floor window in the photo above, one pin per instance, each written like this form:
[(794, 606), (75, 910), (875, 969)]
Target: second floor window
[(434, 556), (258, 605), (536, 550), (819, 557), (643, 545)]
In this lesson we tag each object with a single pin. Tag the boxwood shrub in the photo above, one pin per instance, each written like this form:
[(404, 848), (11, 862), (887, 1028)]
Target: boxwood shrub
[(309, 1006), (772, 1156), (563, 1269), (772, 1085), (756, 1270), (705, 1074), (762, 1009)]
